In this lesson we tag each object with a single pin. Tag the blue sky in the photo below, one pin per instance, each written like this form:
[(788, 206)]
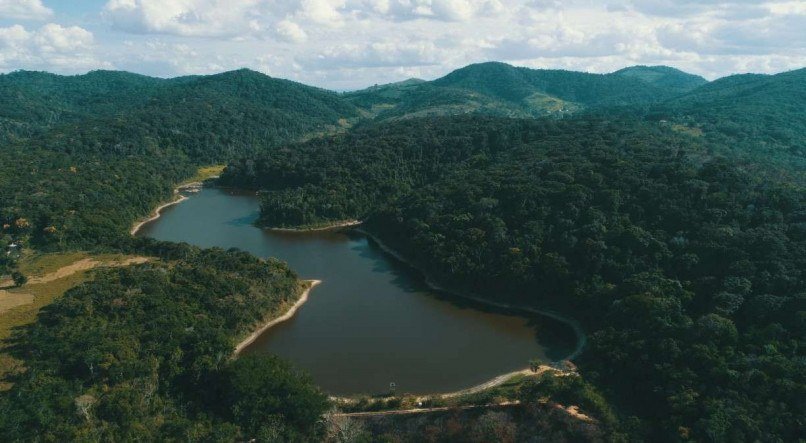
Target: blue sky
[(346, 44)]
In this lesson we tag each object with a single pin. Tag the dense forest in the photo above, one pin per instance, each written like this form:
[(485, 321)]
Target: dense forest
[(85, 156), (664, 212), (687, 270), (143, 354)]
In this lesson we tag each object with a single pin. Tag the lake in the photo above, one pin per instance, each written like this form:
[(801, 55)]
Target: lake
[(373, 320)]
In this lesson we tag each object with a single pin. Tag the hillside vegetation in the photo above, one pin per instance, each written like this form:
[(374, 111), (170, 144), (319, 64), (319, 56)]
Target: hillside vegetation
[(687, 271), (503, 90), (664, 212), (142, 353)]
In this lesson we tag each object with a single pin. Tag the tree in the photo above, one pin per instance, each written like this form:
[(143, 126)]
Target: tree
[(19, 278), (267, 396)]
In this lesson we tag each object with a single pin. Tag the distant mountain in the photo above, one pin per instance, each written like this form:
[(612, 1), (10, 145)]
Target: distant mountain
[(665, 77), (209, 117), (757, 113), (33, 100), (500, 89), (735, 91)]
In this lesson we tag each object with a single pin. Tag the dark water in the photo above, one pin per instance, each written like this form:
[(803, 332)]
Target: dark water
[(373, 320)]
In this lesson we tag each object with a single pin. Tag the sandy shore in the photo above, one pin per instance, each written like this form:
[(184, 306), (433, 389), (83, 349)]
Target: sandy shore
[(344, 224), (582, 339), (288, 314), (489, 384), (178, 198)]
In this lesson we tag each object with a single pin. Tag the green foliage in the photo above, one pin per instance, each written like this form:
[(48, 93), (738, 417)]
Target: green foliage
[(669, 78), (503, 90), (668, 217), (758, 120), (19, 278), (568, 390), (142, 353), (266, 396), (108, 146), (687, 270)]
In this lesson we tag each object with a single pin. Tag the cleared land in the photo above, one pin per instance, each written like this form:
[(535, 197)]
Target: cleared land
[(50, 276)]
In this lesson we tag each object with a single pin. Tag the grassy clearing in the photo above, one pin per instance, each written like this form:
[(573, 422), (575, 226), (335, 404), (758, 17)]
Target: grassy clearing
[(39, 265), (694, 132), (206, 172)]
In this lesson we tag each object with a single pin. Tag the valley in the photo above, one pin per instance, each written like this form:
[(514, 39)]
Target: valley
[(647, 224)]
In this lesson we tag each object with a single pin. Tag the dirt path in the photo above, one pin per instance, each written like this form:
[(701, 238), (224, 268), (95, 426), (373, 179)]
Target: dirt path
[(290, 313), (84, 265), (497, 381), (423, 410), (572, 411)]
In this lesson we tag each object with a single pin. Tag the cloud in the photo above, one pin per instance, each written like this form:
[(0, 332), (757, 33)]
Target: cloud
[(374, 55), (191, 18), (52, 47), (24, 10), (350, 43), (439, 10), (291, 32)]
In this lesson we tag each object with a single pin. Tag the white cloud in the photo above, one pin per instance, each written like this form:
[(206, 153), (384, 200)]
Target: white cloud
[(52, 47), (55, 38), (24, 10), (291, 32), (192, 18), (323, 12), (375, 55)]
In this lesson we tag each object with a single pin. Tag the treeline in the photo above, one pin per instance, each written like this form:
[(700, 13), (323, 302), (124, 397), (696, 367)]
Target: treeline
[(687, 270), (144, 354)]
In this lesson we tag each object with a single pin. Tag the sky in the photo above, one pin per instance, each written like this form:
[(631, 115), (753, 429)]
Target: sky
[(350, 44)]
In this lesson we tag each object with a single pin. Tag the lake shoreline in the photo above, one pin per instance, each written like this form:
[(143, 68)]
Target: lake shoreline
[(330, 227), (157, 213), (582, 339), (303, 298)]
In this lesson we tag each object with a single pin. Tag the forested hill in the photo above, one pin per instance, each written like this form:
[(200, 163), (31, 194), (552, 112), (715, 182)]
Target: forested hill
[(40, 99), (500, 89), (272, 109), (760, 118), (142, 354), (687, 271), (82, 157), (665, 77)]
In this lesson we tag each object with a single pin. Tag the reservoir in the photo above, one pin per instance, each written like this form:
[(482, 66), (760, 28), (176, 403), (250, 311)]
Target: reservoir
[(373, 320)]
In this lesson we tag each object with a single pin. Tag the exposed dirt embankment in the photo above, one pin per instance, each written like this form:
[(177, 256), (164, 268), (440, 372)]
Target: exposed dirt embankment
[(288, 314)]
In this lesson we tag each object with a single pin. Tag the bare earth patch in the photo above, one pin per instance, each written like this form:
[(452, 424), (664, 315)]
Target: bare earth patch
[(10, 300)]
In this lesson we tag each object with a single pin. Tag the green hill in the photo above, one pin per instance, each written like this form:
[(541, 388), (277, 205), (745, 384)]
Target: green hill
[(663, 76), (760, 117), (685, 269), (273, 110), (86, 155), (503, 90)]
